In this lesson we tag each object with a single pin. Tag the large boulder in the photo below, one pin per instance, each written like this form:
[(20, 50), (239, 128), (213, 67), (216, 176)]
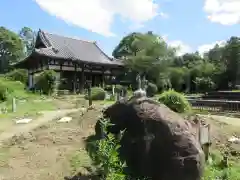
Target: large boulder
[(157, 143)]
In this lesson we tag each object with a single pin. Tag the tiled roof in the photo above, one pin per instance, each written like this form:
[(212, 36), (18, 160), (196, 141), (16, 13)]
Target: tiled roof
[(75, 49)]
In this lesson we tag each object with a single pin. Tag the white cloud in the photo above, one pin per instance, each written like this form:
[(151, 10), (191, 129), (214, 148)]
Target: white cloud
[(98, 15), (181, 47), (226, 12), (206, 47)]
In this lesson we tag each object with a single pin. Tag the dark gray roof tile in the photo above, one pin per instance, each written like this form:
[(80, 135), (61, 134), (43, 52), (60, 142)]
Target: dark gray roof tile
[(75, 49)]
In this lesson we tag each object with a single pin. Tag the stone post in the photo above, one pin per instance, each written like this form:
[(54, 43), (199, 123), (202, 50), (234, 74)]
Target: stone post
[(14, 107)]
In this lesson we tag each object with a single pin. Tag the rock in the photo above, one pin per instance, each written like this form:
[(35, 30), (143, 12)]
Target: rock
[(234, 139), (157, 143), (65, 120), (23, 121)]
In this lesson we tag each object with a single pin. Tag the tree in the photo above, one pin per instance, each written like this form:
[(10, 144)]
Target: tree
[(231, 59), (28, 37), (191, 59), (178, 77), (11, 48), (214, 55), (144, 53)]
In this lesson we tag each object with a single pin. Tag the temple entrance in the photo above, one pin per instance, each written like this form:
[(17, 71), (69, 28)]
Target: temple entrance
[(69, 81)]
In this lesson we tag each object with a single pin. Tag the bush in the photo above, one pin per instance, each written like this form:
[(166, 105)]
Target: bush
[(46, 81), (175, 101), (97, 93), (108, 88), (108, 156), (9, 87), (204, 84), (118, 88), (152, 89), (163, 83), (18, 75), (3, 92)]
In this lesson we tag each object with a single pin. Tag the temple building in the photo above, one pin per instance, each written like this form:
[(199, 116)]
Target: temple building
[(75, 61)]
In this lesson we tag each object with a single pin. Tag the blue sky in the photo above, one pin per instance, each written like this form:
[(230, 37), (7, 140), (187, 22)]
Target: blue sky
[(190, 24)]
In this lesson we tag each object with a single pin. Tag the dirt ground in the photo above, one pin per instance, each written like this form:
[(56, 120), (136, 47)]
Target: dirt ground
[(46, 116), (45, 152), (223, 128)]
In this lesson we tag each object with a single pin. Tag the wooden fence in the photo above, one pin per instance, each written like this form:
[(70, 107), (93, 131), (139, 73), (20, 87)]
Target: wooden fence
[(215, 105)]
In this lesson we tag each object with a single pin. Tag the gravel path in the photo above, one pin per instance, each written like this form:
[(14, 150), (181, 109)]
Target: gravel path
[(45, 118)]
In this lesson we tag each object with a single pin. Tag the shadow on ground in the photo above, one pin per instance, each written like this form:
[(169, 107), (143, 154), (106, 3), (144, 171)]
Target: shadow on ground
[(83, 177)]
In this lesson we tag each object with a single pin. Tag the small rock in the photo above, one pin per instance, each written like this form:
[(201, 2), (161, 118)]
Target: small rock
[(23, 121), (65, 119), (83, 109), (234, 139)]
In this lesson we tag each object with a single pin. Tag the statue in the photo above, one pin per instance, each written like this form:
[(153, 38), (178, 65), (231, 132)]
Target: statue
[(139, 81), (144, 83), (140, 92)]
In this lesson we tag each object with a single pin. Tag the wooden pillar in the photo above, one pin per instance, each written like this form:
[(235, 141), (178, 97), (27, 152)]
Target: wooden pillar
[(93, 80), (74, 78), (91, 77), (81, 86), (103, 82), (30, 79)]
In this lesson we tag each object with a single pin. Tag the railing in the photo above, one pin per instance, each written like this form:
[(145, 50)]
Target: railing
[(224, 95), (215, 105)]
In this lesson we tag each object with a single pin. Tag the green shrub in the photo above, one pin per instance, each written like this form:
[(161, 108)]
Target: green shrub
[(204, 84), (9, 87), (175, 101), (152, 89), (46, 81), (18, 75), (216, 170), (97, 93), (118, 88), (104, 152), (3, 92), (108, 156), (108, 88)]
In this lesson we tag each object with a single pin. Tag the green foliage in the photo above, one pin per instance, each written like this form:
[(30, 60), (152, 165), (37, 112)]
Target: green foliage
[(215, 170), (108, 88), (46, 82), (97, 93), (105, 154), (175, 101), (28, 37), (178, 77), (144, 53), (14, 89), (11, 48), (18, 75), (118, 88), (231, 56), (163, 82), (3, 92), (151, 90), (204, 84)]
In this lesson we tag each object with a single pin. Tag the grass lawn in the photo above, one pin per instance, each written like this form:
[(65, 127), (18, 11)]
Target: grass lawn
[(28, 108), (27, 104)]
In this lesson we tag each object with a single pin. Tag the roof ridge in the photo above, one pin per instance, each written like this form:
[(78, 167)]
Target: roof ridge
[(73, 38), (102, 52), (44, 39)]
